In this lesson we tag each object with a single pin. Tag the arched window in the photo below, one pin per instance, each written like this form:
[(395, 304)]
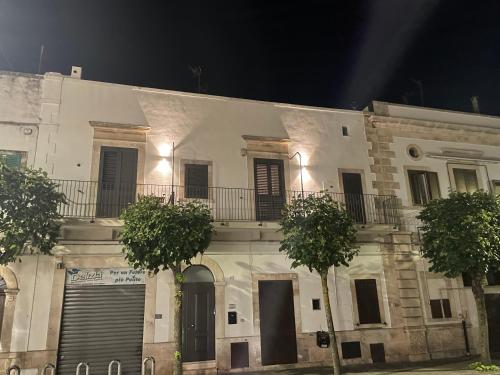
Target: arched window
[(198, 274)]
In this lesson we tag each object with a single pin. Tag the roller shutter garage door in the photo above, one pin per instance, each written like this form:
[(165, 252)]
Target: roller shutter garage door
[(103, 320)]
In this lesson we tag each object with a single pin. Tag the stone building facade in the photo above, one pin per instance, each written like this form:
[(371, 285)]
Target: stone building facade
[(383, 163)]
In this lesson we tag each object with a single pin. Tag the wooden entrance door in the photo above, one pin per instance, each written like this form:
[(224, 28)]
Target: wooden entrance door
[(493, 311), (277, 322), (353, 193), (117, 180), (269, 189), (198, 322)]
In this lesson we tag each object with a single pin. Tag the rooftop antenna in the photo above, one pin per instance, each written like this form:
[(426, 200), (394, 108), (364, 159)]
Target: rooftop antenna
[(40, 59), (420, 86), (475, 104), (196, 72)]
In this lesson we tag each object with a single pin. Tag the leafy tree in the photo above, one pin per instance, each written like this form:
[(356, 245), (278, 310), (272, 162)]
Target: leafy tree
[(28, 212), (461, 234), (159, 236), (319, 234)]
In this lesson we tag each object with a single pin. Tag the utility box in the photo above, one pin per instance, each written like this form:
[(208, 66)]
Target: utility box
[(322, 339)]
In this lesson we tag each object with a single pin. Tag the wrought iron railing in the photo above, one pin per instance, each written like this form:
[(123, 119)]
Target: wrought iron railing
[(90, 199)]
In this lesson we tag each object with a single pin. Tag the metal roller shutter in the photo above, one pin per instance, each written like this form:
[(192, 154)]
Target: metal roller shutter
[(101, 323)]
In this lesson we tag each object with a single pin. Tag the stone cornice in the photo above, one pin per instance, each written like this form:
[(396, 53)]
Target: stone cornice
[(403, 124)]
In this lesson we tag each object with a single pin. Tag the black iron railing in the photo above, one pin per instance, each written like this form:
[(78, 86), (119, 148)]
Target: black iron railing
[(90, 199)]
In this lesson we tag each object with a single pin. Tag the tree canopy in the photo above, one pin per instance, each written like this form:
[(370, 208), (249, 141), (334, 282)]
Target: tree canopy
[(462, 233), (158, 236), (28, 212), (318, 233)]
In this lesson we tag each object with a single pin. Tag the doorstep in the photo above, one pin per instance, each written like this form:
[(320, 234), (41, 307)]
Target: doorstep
[(200, 368)]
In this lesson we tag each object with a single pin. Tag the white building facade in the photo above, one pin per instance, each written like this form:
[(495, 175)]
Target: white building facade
[(246, 309)]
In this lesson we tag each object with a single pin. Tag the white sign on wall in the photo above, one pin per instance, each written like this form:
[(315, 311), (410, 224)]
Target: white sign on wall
[(105, 276)]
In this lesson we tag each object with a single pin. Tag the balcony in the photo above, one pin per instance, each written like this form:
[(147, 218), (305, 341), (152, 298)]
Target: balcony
[(90, 199)]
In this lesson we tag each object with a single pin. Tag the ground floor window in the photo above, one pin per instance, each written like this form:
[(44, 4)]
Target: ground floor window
[(367, 299), (440, 308)]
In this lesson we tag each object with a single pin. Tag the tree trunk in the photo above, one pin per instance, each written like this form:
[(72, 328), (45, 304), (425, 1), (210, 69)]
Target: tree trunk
[(484, 344), (177, 319), (337, 370)]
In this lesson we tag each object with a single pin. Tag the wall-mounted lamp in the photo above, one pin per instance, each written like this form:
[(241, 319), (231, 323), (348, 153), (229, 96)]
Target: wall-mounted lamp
[(300, 165)]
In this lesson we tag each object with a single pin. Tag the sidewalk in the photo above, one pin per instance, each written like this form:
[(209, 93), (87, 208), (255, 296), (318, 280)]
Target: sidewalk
[(453, 368)]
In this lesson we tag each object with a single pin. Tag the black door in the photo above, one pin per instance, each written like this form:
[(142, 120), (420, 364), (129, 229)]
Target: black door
[(269, 188), (493, 311), (277, 322), (117, 180), (198, 322), (353, 193)]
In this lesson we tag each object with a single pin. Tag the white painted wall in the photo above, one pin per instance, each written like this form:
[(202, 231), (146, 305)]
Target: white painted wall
[(31, 315)]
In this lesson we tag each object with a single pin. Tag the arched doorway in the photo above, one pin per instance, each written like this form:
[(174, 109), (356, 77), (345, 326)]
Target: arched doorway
[(198, 315)]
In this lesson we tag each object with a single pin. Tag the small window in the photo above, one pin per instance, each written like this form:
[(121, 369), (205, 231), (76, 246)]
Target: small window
[(465, 180), (440, 308), (345, 131), (196, 181), (466, 278), (13, 159), (367, 299), (496, 187), (316, 305), (351, 349), (424, 186)]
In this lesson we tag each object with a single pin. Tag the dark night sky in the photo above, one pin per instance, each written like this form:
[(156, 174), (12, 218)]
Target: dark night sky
[(323, 53)]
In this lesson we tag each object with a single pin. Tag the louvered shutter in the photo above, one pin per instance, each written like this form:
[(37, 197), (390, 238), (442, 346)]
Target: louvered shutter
[(117, 180), (269, 188), (11, 159), (196, 181)]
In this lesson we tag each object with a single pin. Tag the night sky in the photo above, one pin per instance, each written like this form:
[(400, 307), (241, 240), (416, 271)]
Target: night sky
[(323, 53)]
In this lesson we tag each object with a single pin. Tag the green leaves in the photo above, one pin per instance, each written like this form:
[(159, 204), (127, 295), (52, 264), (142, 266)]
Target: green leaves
[(462, 233), (318, 233), (28, 212), (158, 236)]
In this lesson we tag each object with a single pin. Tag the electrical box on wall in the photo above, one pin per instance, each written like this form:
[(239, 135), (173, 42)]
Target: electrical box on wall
[(232, 317), (322, 339)]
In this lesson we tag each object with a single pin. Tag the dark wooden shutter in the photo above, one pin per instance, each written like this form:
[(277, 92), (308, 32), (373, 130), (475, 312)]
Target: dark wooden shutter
[(446, 308), (269, 188), (196, 181), (117, 180), (367, 298), (436, 311), (110, 172)]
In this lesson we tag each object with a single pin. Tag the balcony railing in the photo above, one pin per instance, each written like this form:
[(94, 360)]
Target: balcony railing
[(90, 199)]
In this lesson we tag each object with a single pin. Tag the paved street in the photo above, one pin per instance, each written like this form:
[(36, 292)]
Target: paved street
[(426, 369)]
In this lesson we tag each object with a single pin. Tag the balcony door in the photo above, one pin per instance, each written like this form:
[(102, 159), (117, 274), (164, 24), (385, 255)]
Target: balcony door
[(353, 193), (269, 188), (117, 180)]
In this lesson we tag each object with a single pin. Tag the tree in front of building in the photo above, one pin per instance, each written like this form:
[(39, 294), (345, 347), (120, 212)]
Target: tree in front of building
[(318, 233), (158, 236), (29, 220), (461, 234)]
